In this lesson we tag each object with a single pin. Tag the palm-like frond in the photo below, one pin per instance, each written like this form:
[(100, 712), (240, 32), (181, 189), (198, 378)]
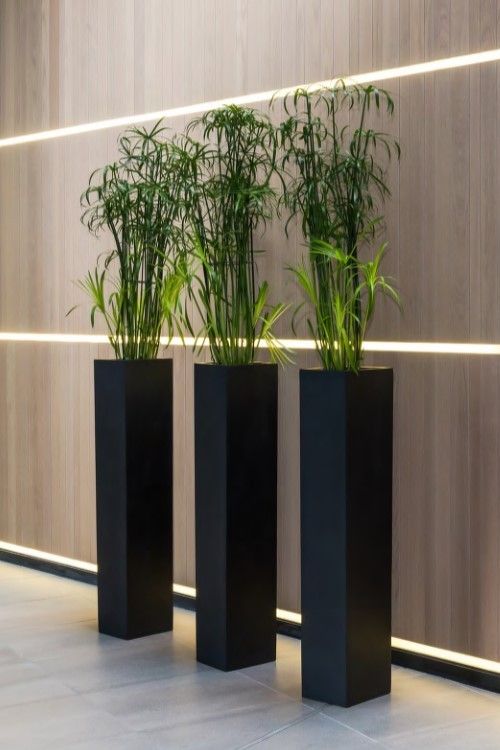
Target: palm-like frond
[(336, 186), (228, 195), (135, 286)]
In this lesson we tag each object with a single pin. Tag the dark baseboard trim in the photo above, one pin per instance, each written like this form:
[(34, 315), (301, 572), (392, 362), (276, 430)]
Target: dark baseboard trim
[(478, 678), (75, 574), (185, 602), (471, 676), (285, 627), (47, 566)]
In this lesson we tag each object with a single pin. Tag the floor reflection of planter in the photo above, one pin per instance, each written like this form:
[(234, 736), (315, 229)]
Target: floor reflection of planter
[(235, 436), (133, 413), (346, 511)]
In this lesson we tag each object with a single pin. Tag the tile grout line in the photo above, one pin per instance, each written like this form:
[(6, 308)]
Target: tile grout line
[(348, 726), (484, 712), (275, 690), (264, 737), (410, 733), (27, 704)]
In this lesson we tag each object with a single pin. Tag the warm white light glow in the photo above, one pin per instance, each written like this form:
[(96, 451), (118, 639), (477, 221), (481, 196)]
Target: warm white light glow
[(48, 556), (78, 338), (464, 660), (179, 588), (404, 347), (54, 338), (454, 657), (430, 347), (433, 66), (293, 617), (37, 554), (448, 63)]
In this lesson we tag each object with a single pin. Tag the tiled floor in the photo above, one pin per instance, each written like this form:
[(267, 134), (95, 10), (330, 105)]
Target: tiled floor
[(63, 686)]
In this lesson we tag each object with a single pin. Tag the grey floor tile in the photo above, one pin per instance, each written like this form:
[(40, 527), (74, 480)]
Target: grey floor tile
[(40, 642), (46, 612), (36, 586), (128, 741), (226, 732), (8, 656), (23, 682), (317, 733), (65, 686), (479, 734), (185, 627), (9, 570), (284, 674), (416, 702), (206, 699), (54, 724), (154, 658)]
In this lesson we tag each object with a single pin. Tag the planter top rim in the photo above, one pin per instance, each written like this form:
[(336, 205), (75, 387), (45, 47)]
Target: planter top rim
[(113, 360), (363, 370), (235, 367)]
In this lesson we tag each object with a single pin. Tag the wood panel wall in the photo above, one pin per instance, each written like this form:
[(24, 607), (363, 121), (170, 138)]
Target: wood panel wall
[(69, 61)]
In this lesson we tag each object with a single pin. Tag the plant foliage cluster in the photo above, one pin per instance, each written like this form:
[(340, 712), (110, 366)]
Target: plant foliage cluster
[(187, 216), (228, 200), (339, 183), (137, 198)]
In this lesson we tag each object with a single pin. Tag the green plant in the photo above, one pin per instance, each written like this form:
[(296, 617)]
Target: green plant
[(227, 196), (337, 186), (135, 286)]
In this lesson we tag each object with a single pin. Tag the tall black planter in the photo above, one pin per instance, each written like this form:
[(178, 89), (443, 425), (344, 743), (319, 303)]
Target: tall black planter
[(346, 517), (235, 454), (133, 424)]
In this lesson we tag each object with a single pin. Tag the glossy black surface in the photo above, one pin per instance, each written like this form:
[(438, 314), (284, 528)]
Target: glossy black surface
[(235, 457), (346, 532), (133, 418)]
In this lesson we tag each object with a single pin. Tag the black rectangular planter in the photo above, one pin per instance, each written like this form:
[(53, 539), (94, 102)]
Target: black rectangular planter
[(133, 427), (236, 458), (346, 533)]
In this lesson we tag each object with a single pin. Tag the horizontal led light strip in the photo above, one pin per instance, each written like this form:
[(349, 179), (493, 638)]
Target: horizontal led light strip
[(54, 338), (295, 618), (432, 66), (408, 347), (465, 660), (38, 554), (430, 347)]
